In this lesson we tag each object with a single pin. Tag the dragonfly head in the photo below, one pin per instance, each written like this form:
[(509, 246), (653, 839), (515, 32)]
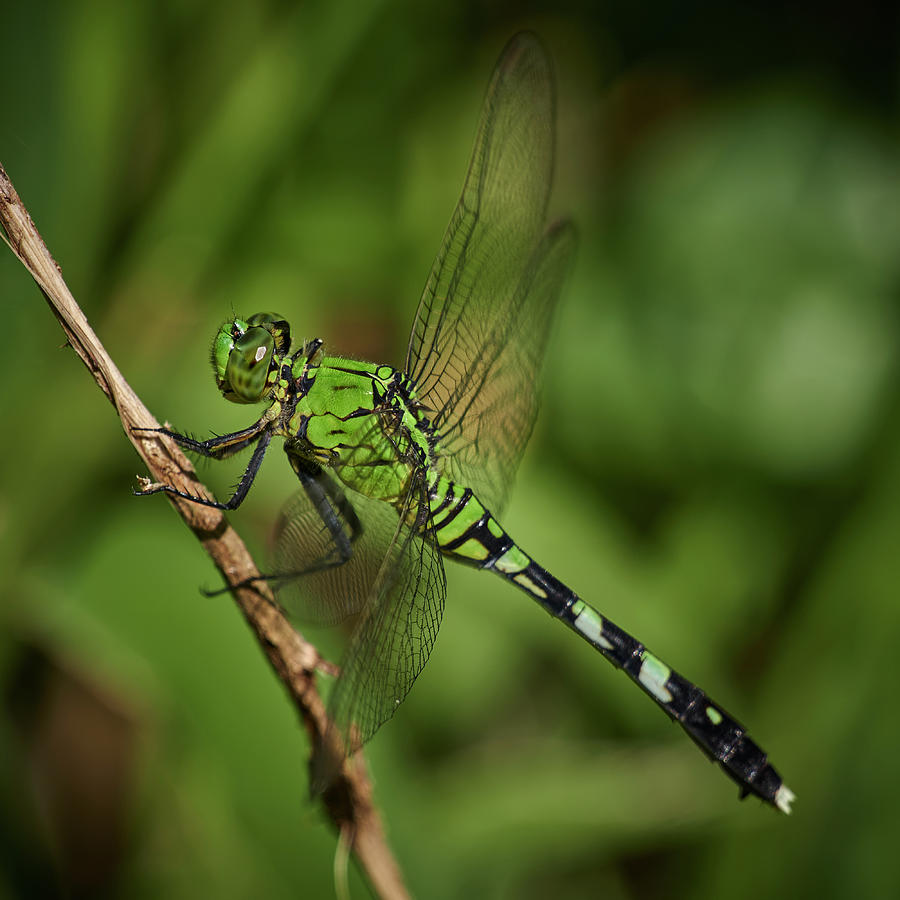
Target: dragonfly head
[(247, 356)]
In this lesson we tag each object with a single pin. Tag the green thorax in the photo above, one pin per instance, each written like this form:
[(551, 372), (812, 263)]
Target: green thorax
[(363, 420)]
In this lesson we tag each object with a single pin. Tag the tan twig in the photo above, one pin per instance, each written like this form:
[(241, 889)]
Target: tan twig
[(349, 801)]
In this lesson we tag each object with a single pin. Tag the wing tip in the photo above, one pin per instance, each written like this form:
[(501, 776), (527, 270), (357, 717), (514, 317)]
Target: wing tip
[(524, 49)]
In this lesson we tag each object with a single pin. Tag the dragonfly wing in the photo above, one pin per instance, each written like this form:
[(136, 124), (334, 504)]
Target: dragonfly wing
[(485, 433), (481, 327), (393, 637)]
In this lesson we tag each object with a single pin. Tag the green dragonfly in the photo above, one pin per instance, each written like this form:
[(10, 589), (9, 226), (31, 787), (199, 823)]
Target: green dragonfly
[(403, 468)]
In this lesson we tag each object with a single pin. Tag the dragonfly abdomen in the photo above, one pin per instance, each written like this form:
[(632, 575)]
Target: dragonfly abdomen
[(467, 531)]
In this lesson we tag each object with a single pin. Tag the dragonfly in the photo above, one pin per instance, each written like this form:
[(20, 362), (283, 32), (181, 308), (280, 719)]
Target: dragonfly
[(402, 469)]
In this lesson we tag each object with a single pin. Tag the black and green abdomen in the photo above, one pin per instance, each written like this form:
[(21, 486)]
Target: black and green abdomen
[(467, 531)]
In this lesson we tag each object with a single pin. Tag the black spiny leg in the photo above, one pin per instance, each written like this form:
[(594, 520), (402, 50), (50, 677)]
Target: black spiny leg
[(219, 448)]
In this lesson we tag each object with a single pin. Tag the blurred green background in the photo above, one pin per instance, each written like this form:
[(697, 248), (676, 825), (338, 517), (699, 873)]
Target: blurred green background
[(716, 466)]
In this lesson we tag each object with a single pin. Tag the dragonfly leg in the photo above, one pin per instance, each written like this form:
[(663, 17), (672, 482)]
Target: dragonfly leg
[(244, 484), (219, 447)]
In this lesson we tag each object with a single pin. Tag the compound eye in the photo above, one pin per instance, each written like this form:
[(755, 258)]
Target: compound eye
[(247, 370)]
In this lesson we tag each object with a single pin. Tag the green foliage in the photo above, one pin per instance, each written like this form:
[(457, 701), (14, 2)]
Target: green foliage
[(715, 466)]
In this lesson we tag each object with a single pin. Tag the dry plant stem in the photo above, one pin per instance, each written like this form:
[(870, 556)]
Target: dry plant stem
[(349, 801)]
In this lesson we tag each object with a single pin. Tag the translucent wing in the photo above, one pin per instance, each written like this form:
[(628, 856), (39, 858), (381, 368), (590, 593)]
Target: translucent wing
[(485, 433), (481, 327), (394, 581), (394, 636)]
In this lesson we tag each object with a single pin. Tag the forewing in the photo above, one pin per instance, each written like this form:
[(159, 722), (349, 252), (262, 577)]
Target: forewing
[(479, 334), (485, 432)]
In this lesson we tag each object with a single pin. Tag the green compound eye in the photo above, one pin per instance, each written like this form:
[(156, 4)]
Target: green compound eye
[(244, 353), (247, 369)]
